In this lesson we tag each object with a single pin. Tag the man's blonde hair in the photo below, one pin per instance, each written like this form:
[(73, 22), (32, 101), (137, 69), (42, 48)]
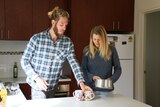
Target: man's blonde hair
[(56, 13)]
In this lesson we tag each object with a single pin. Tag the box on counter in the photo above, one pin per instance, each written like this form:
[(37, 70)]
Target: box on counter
[(3, 95)]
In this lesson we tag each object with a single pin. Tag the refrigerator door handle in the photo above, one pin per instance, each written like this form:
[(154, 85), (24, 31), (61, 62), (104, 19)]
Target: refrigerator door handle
[(145, 72)]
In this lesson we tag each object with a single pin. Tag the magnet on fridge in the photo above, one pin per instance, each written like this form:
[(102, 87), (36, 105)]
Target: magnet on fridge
[(112, 43), (115, 39), (130, 39), (124, 42)]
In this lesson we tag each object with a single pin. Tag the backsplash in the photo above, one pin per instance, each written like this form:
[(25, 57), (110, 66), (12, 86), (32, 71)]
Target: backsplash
[(10, 52)]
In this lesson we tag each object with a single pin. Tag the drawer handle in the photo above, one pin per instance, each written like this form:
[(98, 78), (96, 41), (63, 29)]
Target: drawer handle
[(58, 88)]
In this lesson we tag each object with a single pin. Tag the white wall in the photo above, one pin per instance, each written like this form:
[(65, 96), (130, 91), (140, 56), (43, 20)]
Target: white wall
[(141, 8)]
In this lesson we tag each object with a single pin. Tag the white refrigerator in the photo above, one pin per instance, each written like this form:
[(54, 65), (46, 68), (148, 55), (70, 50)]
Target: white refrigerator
[(124, 44)]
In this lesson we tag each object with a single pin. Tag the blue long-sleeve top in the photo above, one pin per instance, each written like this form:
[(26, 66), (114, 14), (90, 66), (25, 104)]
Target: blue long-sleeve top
[(100, 67)]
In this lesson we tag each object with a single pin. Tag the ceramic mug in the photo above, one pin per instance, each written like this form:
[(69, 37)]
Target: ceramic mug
[(89, 95), (78, 94)]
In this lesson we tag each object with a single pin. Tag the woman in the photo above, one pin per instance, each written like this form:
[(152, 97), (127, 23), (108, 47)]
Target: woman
[(99, 58)]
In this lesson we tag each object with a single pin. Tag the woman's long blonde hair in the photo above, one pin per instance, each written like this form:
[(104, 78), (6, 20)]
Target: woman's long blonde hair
[(104, 50)]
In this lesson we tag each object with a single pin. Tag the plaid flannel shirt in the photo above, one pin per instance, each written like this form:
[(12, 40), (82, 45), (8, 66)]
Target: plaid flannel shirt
[(45, 59)]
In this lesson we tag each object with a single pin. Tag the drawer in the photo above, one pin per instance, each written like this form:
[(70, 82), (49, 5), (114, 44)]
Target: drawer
[(63, 88)]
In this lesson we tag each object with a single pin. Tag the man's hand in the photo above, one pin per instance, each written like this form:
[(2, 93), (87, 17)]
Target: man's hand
[(43, 85), (85, 87)]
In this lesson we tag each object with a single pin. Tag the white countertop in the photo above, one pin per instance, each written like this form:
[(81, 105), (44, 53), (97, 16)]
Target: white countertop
[(23, 79), (14, 100), (17, 80), (115, 100)]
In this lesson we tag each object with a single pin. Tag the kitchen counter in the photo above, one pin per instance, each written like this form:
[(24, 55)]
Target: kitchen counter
[(115, 100), (64, 86), (14, 100), (23, 79), (17, 80)]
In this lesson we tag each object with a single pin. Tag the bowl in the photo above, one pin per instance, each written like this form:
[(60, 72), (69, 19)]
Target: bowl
[(104, 83)]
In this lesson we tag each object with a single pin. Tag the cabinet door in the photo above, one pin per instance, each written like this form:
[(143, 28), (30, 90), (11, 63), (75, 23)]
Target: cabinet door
[(18, 19), (104, 15), (26, 90), (2, 20), (40, 15), (63, 89), (124, 15), (64, 4), (115, 15), (82, 20)]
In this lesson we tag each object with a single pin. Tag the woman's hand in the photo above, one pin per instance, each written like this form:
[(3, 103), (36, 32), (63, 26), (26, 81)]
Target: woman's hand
[(96, 77)]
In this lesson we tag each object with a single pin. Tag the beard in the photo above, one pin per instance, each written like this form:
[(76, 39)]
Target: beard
[(55, 29)]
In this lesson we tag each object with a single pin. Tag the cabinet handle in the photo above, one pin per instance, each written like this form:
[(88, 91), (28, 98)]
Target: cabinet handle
[(113, 25), (58, 88), (118, 25), (8, 34)]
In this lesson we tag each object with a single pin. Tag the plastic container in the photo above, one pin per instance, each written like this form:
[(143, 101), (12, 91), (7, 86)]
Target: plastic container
[(3, 95)]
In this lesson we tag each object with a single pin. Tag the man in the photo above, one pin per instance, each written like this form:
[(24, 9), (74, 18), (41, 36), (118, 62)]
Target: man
[(45, 54)]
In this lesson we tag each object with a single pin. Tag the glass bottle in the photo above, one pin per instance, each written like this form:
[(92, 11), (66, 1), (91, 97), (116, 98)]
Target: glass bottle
[(15, 70)]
